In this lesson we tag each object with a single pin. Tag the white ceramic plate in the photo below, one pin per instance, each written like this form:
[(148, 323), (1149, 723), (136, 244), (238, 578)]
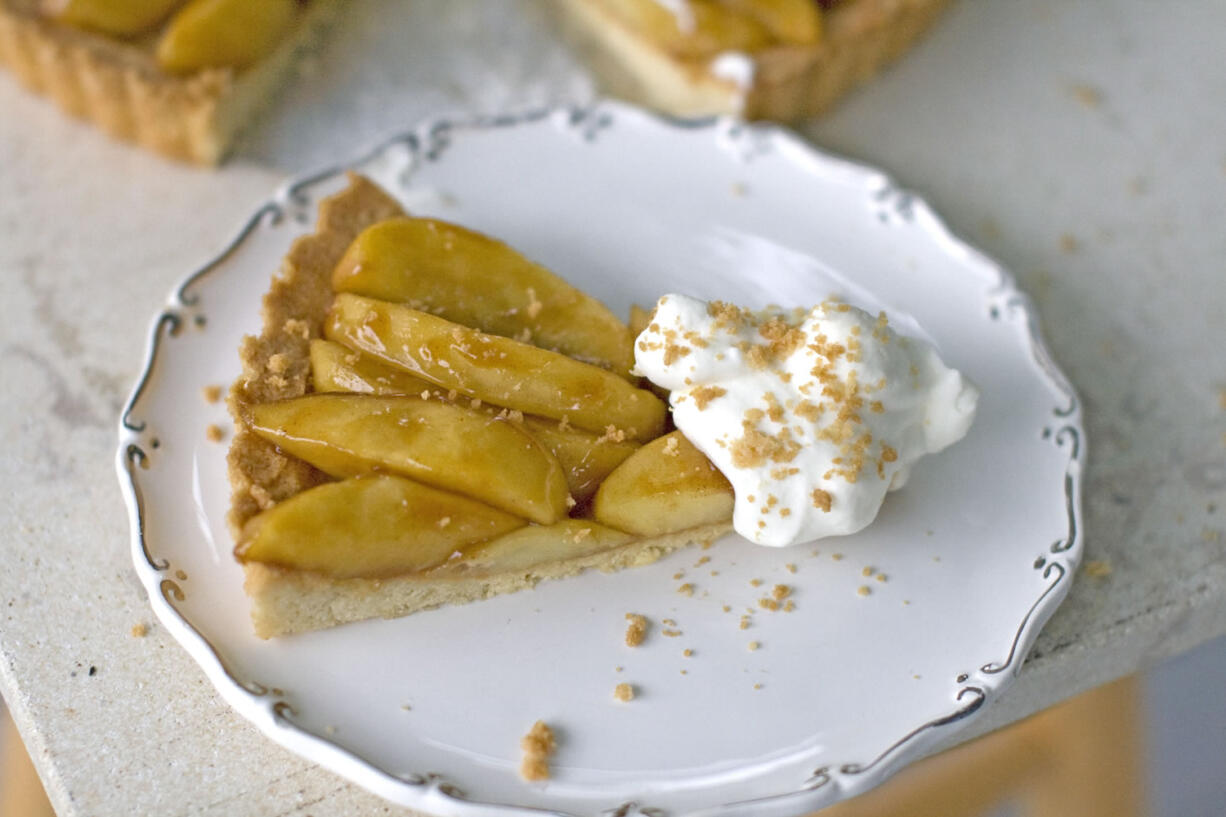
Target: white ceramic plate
[(427, 711)]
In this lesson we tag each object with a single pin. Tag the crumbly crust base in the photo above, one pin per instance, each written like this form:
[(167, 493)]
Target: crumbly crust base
[(276, 366), (789, 82), (284, 602), (117, 85)]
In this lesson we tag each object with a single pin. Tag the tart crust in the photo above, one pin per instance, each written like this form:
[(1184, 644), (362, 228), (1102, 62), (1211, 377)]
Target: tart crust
[(275, 366), (788, 82), (117, 85)]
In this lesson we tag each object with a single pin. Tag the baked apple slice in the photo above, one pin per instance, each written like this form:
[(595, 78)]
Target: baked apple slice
[(533, 545), (585, 457), (493, 368), (369, 527), (475, 280), (437, 443), (667, 485)]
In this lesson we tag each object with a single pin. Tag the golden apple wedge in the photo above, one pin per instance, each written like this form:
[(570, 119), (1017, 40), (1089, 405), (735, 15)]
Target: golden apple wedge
[(585, 457), (477, 281), (493, 368), (526, 547), (336, 368), (439, 444), (119, 18), (667, 485), (371, 527), (223, 33)]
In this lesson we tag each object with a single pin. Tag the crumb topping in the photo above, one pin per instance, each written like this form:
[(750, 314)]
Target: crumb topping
[(538, 745), (624, 692), (636, 631)]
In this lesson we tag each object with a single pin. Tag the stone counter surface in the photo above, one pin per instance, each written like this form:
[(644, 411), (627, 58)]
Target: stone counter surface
[(1081, 142)]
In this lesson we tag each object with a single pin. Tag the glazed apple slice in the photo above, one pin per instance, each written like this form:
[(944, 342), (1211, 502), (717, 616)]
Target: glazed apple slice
[(223, 33), (119, 18), (532, 545), (439, 444), (369, 527), (474, 280), (493, 368), (667, 485), (585, 457), (336, 368)]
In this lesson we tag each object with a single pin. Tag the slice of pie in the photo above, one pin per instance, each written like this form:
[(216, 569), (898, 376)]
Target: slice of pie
[(763, 59), (429, 418), (179, 77)]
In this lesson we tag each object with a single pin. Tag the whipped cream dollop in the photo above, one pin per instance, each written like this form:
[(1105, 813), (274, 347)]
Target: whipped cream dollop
[(811, 415)]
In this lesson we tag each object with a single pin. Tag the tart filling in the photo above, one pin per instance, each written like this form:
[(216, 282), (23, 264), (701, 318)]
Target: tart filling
[(388, 459)]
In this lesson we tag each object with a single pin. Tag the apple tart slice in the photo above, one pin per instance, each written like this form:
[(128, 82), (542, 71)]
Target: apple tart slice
[(428, 418)]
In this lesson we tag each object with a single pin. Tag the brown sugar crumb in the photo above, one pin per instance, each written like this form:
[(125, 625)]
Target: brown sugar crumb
[(214, 433), (745, 622), (686, 589), (687, 653), (680, 574), (781, 592), (1087, 95), (298, 328), (881, 577), (278, 364), (756, 447), (1068, 243), (755, 582), (863, 590), (868, 571), (702, 560), (671, 633), (768, 603), (822, 500), (534, 306), (538, 745), (637, 630), (212, 393), (674, 352), (612, 434), (669, 621), (838, 557), (727, 608), (791, 568), (888, 454), (1098, 569), (789, 607), (757, 686), (624, 692), (753, 646), (140, 630), (705, 394), (672, 447)]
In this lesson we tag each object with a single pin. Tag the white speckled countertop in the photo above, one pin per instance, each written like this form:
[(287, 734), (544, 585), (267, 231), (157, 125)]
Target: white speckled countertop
[(1082, 143)]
